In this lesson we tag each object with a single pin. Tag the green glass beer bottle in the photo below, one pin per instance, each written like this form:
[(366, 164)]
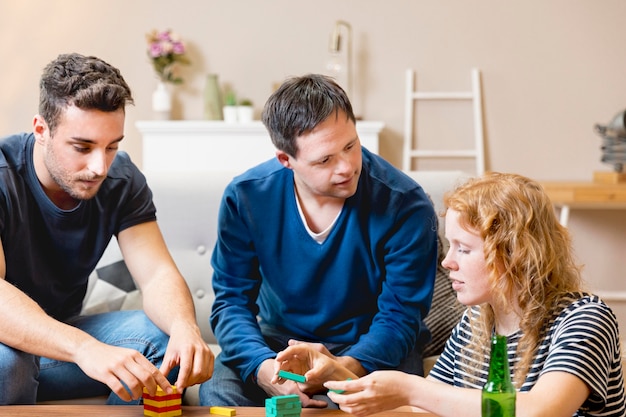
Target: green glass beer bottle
[(498, 395)]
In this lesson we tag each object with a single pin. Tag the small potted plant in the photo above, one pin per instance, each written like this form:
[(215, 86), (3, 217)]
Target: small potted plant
[(245, 111), (230, 107)]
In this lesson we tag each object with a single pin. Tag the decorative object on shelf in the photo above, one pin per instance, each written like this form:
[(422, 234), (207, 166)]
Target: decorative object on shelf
[(230, 107), (162, 101), (245, 111), (613, 148), (212, 99), (339, 66), (165, 50)]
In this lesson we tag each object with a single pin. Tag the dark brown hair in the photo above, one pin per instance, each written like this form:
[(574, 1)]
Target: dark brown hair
[(299, 105), (86, 82)]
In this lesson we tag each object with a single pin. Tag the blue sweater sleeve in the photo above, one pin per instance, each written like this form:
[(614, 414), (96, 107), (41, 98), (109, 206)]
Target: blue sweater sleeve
[(409, 257), (236, 282)]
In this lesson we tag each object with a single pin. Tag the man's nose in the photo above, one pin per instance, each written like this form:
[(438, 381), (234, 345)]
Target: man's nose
[(98, 163)]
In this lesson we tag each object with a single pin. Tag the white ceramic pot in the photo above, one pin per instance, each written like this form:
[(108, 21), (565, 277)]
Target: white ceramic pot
[(245, 114), (230, 114)]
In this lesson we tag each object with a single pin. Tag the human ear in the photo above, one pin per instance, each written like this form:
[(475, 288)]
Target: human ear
[(40, 128), (283, 158)]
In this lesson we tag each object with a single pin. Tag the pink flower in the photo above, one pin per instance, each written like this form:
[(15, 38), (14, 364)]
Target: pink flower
[(155, 50), (178, 48), (164, 36), (166, 49)]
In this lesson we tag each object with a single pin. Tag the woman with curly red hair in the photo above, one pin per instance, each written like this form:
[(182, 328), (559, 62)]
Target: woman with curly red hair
[(512, 264)]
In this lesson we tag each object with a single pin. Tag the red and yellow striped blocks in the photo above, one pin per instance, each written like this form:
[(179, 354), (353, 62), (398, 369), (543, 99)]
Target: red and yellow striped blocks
[(162, 404)]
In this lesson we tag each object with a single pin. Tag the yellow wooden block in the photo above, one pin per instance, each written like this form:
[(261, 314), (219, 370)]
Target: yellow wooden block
[(154, 403), (170, 413), (174, 403), (159, 392), (223, 411)]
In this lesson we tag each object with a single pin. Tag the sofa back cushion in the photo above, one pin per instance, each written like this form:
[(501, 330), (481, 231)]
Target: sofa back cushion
[(187, 209)]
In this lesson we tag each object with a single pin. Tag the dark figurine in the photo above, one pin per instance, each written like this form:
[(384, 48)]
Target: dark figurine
[(614, 141)]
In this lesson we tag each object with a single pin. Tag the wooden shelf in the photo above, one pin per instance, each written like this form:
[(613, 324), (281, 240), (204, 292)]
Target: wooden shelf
[(585, 195)]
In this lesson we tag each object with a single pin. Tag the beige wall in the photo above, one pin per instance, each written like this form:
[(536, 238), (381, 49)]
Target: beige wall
[(551, 70)]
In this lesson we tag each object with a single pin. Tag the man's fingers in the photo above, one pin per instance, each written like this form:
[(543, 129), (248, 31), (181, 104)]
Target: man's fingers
[(195, 366), (126, 385), (185, 370), (142, 373), (118, 388), (202, 367), (166, 368)]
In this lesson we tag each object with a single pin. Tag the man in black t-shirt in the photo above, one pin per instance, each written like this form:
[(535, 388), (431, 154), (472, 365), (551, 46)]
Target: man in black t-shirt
[(65, 190)]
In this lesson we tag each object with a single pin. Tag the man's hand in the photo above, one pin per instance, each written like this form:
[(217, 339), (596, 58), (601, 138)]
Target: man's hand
[(125, 371), (348, 362), (264, 380), (316, 364), (187, 349), (319, 347)]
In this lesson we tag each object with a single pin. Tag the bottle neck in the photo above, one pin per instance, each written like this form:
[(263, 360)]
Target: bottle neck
[(499, 362), (498, 396)]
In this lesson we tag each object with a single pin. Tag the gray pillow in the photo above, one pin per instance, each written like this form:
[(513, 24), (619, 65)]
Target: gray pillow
[(111, 288)]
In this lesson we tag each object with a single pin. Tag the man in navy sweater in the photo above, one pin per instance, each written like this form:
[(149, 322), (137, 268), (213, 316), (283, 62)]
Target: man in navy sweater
[(328, 244)]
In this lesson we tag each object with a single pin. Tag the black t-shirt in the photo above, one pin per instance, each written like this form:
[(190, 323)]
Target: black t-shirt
[(50, 252)]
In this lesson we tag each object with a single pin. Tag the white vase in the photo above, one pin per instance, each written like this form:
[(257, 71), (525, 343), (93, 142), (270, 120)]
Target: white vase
[(162, 101), (230, 114), (245, 114)]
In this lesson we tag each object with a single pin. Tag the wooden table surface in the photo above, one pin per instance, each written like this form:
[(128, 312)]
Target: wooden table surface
[(137, 411)]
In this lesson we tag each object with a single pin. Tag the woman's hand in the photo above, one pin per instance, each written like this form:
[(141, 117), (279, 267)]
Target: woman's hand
[(373, 393)]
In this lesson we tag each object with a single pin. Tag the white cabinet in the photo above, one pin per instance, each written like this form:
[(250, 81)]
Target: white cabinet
[(190, 145)]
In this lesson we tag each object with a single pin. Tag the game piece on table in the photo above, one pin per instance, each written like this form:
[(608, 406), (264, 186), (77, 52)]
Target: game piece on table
[(291, 376), (162, 404), (223, 411), (283, 406)]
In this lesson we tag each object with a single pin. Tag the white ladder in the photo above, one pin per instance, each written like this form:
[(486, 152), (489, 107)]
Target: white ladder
[(411, 152)]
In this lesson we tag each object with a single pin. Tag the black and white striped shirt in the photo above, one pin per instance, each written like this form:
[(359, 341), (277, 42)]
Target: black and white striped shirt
[(583, 340)]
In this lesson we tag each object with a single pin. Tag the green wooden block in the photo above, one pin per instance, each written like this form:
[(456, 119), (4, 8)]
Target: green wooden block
[(291, 376)]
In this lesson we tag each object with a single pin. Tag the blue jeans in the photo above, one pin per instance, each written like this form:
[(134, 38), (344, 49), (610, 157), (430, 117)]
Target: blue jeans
[(226, 388), (27, 378)]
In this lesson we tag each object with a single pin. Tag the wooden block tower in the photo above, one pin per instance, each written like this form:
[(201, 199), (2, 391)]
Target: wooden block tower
[(162, 404), (283, 406)]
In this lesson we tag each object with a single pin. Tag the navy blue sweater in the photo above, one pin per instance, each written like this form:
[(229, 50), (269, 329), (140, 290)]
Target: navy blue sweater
[(369, 284)]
